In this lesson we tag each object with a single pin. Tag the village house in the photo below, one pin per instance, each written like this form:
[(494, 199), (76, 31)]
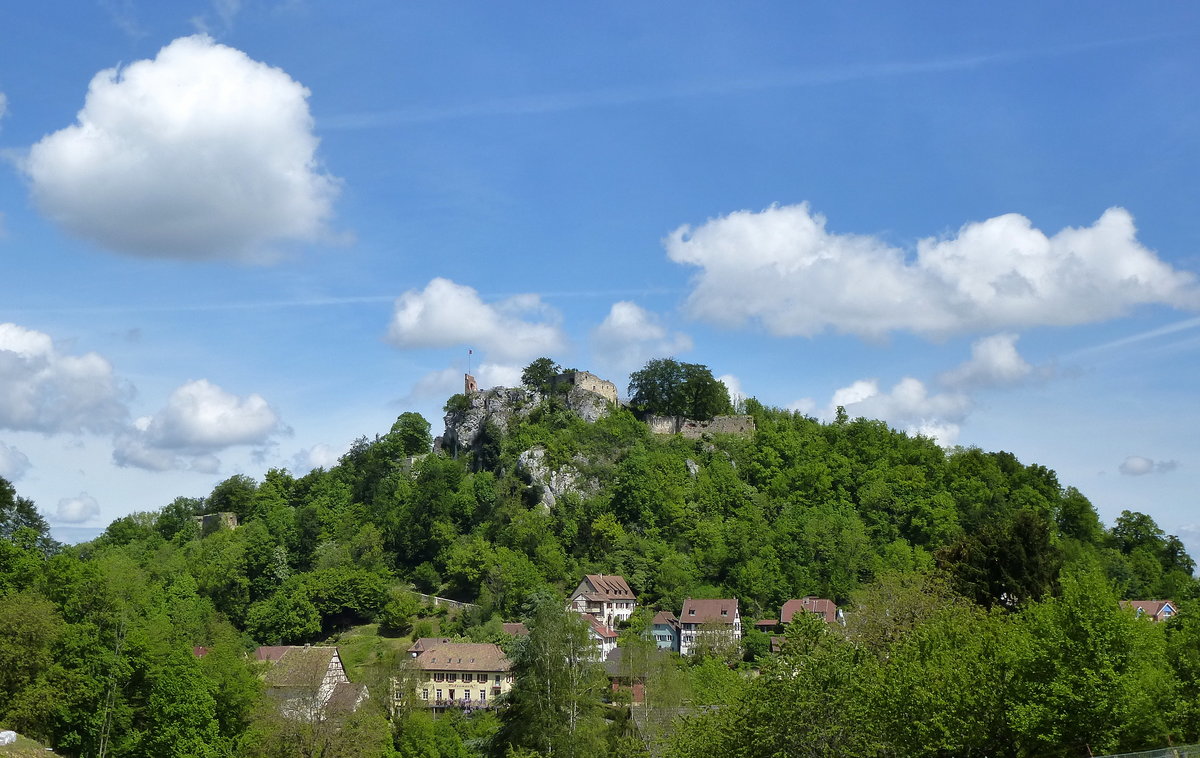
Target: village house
[(608, 598), (603, 637), (309, 682), (459, 674), (664, 630), (826, 609), (1155, 610), (709, 622)]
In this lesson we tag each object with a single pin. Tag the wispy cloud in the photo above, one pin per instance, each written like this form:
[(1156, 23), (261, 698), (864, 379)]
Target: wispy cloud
[(322, 302), (1134, 339), (558, 102)]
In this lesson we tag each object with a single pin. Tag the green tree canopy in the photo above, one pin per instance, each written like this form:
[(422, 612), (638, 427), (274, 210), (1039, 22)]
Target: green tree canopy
[(540, 373), (666, 387)]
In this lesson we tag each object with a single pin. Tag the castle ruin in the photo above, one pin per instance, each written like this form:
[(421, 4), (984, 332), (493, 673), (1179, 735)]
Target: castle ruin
[(587, 381)]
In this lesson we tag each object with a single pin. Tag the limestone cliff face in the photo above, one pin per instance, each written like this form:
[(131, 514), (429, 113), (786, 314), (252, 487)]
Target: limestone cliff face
[(499, 405), (695, 430), (553, 483)]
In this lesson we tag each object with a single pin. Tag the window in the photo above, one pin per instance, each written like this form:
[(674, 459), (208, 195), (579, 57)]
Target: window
[(424, 694), (497, 678), (507, 678), (483, 696), (439, 694), (691, 611), (451, 677), (439, 677), (724, 612)]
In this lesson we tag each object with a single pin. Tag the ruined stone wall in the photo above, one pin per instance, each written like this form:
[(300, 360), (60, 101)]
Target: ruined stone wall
[(587, 381), (694, 430)]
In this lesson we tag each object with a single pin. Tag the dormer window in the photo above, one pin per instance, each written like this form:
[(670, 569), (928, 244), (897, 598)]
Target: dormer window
[(724, 612), (691, 611)]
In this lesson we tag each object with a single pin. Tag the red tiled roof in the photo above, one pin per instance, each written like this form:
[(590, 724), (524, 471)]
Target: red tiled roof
[(826, 609), (599, 627), (705, 611)]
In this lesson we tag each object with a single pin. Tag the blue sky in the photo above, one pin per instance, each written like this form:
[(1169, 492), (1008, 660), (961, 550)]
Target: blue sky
[(241, 234)]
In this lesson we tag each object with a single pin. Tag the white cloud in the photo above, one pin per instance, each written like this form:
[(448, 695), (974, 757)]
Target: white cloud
[(908, 406), (47, 391), (1137, 465), (630, 335), (446, 314), (199, 420), (317, 456), (201, 153), (734, 385), (76, 510), (441, 384), (783, 268), (226, 11), (994, 362), (13, 463)]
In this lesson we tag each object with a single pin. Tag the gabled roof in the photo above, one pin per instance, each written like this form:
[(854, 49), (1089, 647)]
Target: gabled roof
[(516, 629), (462, 656), (424, 643), (346, 696), (300, 666), (271, 653), (706, 611), (665, 618), (826, 609), (1151, 608), (604, 587), (600, 629)]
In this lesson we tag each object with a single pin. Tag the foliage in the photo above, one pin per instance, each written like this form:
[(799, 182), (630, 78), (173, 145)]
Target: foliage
[(539, 374), (666, 387)]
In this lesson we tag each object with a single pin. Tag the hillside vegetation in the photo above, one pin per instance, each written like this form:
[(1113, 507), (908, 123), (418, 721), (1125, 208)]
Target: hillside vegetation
[(983, 594)]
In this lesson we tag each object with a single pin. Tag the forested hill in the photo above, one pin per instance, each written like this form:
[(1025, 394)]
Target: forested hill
[(796, 508)]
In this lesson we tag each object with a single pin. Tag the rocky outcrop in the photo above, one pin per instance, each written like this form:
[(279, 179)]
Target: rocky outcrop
[(587, 405), (501, 405), (552, 483), (498, 406), (693, 429)]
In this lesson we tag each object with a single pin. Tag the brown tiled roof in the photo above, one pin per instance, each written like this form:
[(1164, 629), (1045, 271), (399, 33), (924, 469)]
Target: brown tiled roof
[(271, 653), (516, 629), (424, 643), (1151, 608), (826, 609), (346, 696), (605, 587), (705, 611), (665, 618), (463, 656), (301, 667), (766, 623), (600, 627)]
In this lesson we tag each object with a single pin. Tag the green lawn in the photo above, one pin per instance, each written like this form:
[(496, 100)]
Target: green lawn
[(24, 748)]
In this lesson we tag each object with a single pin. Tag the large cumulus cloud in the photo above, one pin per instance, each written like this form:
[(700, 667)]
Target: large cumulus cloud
[(447, 314), (200, 153), (783, 268), (199, 420), (47, 390)]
